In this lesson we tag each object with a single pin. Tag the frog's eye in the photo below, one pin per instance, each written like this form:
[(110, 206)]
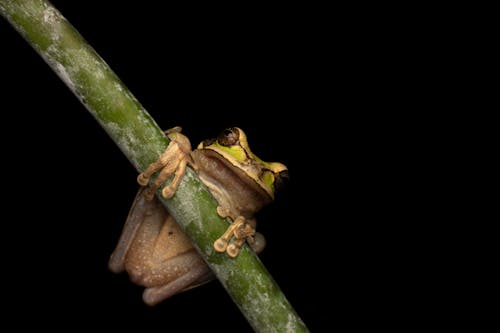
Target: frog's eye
[(229, 137), (281, 179)]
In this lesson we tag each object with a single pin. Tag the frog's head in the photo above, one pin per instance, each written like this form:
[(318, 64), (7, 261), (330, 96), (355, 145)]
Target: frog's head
[(232, 145)]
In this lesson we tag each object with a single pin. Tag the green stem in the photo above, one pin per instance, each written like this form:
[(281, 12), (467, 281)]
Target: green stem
[(142, 141)]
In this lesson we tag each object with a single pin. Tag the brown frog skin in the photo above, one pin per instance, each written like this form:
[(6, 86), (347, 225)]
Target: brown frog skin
[(155, 251)]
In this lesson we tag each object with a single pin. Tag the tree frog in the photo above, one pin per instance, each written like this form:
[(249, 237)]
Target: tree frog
[(155, 251)]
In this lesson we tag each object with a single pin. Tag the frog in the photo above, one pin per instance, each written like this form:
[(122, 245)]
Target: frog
[(155, 251)]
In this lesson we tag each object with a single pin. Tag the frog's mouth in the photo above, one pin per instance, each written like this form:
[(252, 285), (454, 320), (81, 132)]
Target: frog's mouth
[(236, 178)]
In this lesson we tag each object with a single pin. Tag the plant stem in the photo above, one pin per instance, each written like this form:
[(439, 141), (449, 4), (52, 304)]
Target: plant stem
[(142, 141)]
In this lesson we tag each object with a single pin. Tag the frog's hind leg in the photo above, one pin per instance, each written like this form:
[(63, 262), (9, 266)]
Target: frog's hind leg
[(141, 208), (196, 276)]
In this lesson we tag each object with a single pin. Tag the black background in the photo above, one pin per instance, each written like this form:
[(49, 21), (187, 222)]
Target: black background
[(304, 90)]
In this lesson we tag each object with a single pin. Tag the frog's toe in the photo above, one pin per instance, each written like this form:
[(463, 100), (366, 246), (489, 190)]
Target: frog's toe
[(142, 179), (168, 192), (232, 250), (220, 245)]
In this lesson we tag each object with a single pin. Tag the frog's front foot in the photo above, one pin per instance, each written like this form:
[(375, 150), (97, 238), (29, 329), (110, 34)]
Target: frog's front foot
[(173, 161), (239, 231)]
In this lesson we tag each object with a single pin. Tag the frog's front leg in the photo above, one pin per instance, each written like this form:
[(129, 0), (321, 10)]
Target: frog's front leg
[(173, 161), (239, 231)]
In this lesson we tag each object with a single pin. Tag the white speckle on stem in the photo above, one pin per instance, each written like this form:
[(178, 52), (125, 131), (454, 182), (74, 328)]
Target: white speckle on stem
[(291, 325), (119, 88), (64, 75), (49, 15), (223, 272), (125, 138), (52, 18), (189, 204), (209, 250)]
